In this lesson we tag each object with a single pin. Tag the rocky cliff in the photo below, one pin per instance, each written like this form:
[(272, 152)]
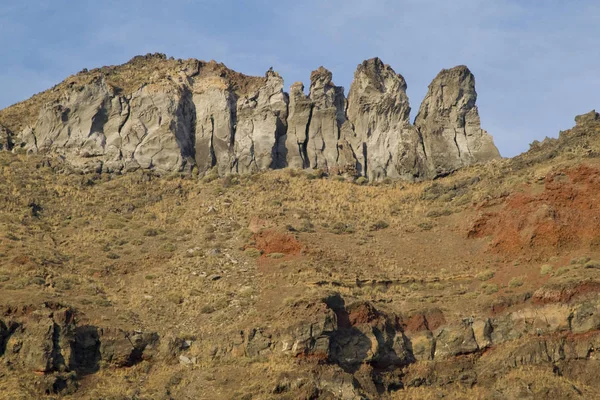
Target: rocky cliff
[(448, 121), (171, 115)]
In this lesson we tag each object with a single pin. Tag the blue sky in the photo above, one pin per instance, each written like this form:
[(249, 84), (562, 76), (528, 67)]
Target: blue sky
[(537, 63)]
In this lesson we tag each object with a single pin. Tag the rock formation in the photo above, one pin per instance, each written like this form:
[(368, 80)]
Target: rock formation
[(171, 115), (6, 140), (448, 121), (385, 142), (300, 114), (261, 123)]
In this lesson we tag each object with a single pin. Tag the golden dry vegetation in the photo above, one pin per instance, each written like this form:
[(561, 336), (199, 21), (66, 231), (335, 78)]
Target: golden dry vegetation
[(203, 259)]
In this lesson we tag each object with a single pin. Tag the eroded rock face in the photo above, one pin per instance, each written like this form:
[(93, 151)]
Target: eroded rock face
[(300, 114), (261, 124), (175, 115), (147, 129), (448, 121), (48, 341), (385, 143), (360, 342)]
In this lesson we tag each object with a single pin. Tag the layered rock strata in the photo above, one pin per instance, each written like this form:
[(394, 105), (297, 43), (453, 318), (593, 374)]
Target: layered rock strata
[(171, 115)]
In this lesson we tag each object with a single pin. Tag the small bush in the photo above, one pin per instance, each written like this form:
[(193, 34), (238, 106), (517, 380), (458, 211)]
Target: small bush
[(545, 269), (485, 275), (319, 173), (207, 309), (114, 224), (37, 280), (379, 225), (561, 271), (210, 176), (276, 255), (580, 260), (435, 286), (62, 284), (170, 247), (307, 226), (438, 213), (489, 288), (230, 180), (151, 232), (361, 180), (341, 228), (592, 264), (175, 298), (426, 226), (515, 282), (252, 252)]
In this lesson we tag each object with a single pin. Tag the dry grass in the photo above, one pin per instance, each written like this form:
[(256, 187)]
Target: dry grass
[(180, 257)]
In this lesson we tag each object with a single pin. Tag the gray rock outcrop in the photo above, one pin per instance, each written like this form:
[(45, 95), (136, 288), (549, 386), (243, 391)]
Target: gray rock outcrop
[(448, 121), (261, 124), (300, 114), (328, 115), (385, 142), (175, 115), (146, 129), (318, 130)]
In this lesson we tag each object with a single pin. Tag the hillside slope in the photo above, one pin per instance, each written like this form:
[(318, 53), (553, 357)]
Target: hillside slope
[(284, 284)]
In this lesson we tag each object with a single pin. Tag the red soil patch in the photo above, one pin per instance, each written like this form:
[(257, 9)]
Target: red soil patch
[(363, 313), (428, 320), (564, 216), (319, 357), (271, 241)]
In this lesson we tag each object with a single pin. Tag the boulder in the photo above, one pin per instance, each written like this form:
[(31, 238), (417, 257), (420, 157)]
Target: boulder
[(482, 329), (422, 345), (311, 337), (258, 342), (123, 349), (585, 317), (455, 340), (40, 341)]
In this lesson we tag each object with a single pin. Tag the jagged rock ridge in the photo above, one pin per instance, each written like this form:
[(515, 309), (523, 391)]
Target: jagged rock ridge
[(171, 115)]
